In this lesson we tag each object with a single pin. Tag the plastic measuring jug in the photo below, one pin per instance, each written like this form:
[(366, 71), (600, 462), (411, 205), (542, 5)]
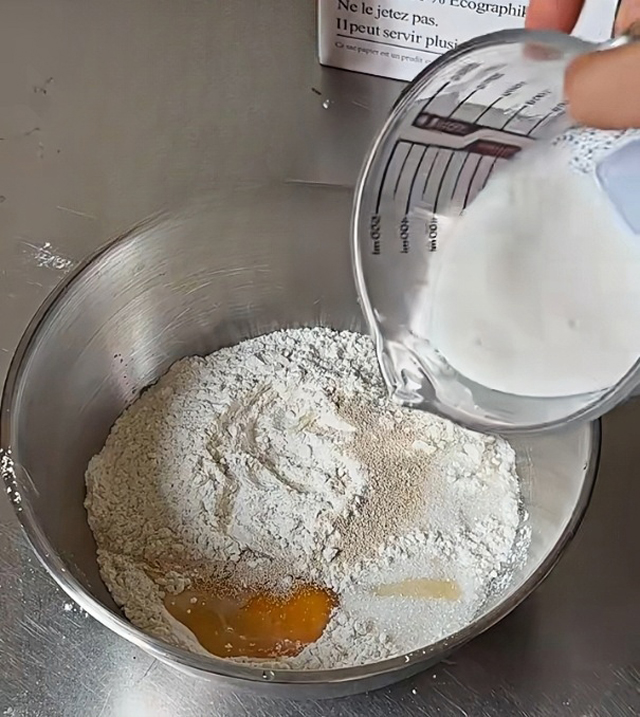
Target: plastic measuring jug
[(471, 111)]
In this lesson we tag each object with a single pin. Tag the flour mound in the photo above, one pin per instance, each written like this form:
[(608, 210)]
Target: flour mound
[(279, 461)]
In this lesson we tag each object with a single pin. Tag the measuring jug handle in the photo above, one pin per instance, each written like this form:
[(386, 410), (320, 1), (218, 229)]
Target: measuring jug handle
[(631, 35)]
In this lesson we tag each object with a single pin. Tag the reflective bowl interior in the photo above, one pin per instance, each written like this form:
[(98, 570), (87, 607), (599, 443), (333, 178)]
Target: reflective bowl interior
[(240, 264)]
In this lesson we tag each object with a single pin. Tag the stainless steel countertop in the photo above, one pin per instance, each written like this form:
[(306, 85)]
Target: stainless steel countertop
[(113, 109)]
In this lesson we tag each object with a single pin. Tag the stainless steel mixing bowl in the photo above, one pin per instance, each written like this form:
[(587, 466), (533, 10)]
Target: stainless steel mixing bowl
[(245, 262)]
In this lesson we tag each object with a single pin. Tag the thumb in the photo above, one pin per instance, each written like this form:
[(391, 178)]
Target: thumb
[(628, 15), (603, 88)]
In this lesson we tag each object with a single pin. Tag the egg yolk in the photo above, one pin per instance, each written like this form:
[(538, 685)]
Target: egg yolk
[(261, 625)]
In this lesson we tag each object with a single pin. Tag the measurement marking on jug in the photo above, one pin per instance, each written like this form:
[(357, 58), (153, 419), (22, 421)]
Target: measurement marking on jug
[(494, 77), (463, 102), (488, 108), (484, 146), (384, 176), (541, 121), (488, 148), (513, 116), (460, 74), (432, 234), (506, 94), (404, 235), (555, 112), (471, 181), (404, 164), (451, 126), (425, 107), (491, 168), (408, 162), (442, 178), (413, 181), (374, 233), (428, 177), (532, 102), (460, 173), (444, 125), (462, 170)]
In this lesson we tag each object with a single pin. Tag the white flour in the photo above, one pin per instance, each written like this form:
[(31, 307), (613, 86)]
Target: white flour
[(536, 291), (280, 460)]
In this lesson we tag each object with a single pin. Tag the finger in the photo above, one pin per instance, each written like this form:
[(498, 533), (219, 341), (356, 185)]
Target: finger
[(628, 14), (553, 14), (603, 88)]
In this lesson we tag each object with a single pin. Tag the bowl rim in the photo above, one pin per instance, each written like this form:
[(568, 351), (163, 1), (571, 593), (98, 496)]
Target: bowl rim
[(16, 478)]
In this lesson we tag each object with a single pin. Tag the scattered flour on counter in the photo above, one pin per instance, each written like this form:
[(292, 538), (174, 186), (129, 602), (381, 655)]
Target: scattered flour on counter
[(281, 461), (47, 257)]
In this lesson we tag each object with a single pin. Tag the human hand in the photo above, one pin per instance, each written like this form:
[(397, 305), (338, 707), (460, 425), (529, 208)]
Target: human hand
[(603, 88)]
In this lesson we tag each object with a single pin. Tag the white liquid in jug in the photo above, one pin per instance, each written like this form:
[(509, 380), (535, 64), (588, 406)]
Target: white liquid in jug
[(536, 289)]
